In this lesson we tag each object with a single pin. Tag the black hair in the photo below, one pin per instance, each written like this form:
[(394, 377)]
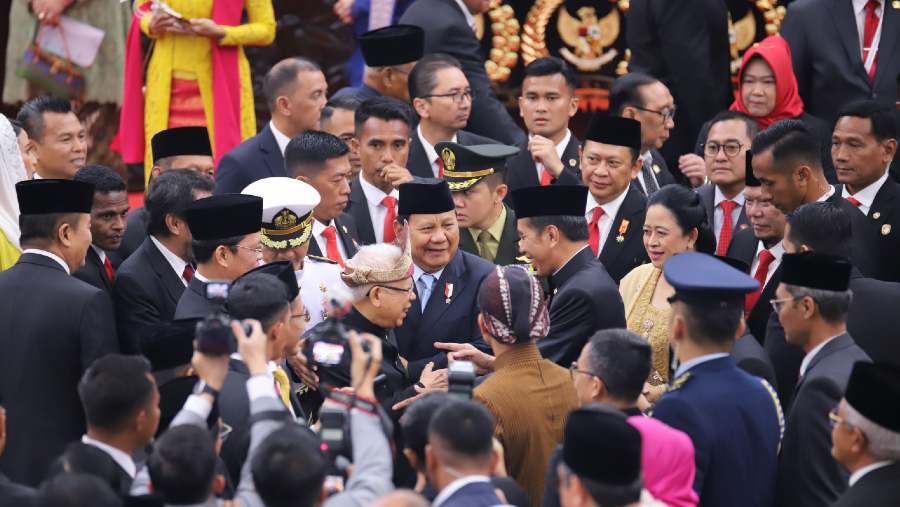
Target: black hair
[(881, 117), (81, 458), (685, 206), (423, 77), (623, 361), (289, 468), (282, 78), (574, 228), (550, 65), (42, 230), (749, 123), (204, 249), (16, 126), (113, 389), (823, 227), (31, 115), (259, 296), (789, 140), (307, 153), (183, 465), (171, 193), (383, 108), (104, 179), (464, 428), (414, 422), (625, 91), (713, 322), (73, 490), (346, 102)]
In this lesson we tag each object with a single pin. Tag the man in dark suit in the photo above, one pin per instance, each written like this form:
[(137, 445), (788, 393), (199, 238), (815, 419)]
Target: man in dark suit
[(150, 282), (546, 105), (446, 279), (225, 243), (320, 159), (108, 225), (390, 54), (295, 90), (829, 41), (865, 436), (615, 209), (449, 28), (864, 143), (10, 492), (382, 142), (56, 326), (731, 416), (487, 227), (337, 120), (583, 297), (443, 100), (812, 304), (684, 45), (176, 148)]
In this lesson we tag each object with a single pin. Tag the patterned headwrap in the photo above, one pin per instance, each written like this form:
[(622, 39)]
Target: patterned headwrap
[(356, 275), (512, 305)]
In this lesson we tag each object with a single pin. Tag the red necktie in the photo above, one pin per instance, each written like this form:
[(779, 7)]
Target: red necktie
[(440, 164), (331, 248), (188, 273), (546, 177), (391, 204), (594, 230), (869, 29), (762, 271), (110, 273), (854, 201), (727, 226)]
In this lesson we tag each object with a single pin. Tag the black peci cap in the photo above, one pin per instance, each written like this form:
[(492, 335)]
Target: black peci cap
[(392, 45), (749, 179), (465, 166), (551, 200), (284, 271), (815, 270), (601, 446), (171, 344), (874, 391), (224, 216), (180, 141), (615, 130), (41, 197), (425, 196)]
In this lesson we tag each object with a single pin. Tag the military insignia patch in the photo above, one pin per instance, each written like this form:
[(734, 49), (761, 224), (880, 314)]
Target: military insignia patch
[(680, 381), (285, 219), (449, 159)]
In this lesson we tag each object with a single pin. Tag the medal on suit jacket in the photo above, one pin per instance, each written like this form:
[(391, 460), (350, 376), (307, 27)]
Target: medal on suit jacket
[(623, 228), (448, 292)]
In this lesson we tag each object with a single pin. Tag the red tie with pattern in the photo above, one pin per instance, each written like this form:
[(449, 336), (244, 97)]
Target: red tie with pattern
[(110, 273), (869, 29), (727, 226), (188, 273), (762, 271), (331, 248), (854, 201), (546, 177), (440, 164), (594, 230), (391, 204)]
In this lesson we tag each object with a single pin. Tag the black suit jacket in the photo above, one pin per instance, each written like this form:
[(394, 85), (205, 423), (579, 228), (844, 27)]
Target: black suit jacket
[(583, 300), (254, 159), (522, 172), (878, 488), (883, 234), (346, 234), (620, 257), (828, 60), (743, 248), (508, 249), (418, 163), (807, 473), (14, 495), (446, 31), (94, 273), (707, 195), (193, 303), (135, 234), (453, 321), (358, 210), (147, 292), (54, 327), (749, 356)]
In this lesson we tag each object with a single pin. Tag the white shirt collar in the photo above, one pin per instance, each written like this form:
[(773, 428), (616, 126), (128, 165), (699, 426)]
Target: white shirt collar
[(418, 272), (867, 195), (739, 198), (777, 250), (374, 194), (51, 255), (100, 253), (318, 227), (119, 456), (457, 485), (178, 264), (470, 19), (812, 353), (430, 152), (610, 209), (857, 475), (690, 363), (199, 276), (827, 194), (859, 6), (281, 139)]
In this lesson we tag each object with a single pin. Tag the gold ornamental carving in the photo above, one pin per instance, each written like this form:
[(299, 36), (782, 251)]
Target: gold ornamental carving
[(505, 40)]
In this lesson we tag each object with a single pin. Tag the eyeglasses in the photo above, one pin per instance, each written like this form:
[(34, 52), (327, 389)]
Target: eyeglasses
[(836, 420), (458, 97), (778, 304), (305, 315), (397, 289), (573, 369), (258, 250), (667, 114), (731, 149)]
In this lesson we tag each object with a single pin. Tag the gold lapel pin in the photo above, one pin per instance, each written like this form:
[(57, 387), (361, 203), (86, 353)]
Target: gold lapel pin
[(344, 228), (885, 229), (573, 162), (895, 4), (620, 238), (876, 215), (656, 168), (743, 226)]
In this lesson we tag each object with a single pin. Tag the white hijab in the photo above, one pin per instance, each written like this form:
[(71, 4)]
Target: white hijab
[(12, 171)]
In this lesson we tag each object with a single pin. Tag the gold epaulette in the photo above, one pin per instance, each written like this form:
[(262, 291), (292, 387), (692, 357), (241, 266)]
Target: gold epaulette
[(778, 410), (321, 259), (680, 381)]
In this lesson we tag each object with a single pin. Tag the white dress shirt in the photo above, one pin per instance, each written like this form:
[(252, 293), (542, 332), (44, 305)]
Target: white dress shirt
[(377, 211), (647, 157), (610, 210), (859, 10), (51, 255), (811, 354), (777, 251), (457, 485), (430, 152), (281, 139), (119, 456), (857, 475), (178, 264), (719, 214), (470, 19), (867, 195), (100, 253), (827, 194), (560, 149), (318, 227)]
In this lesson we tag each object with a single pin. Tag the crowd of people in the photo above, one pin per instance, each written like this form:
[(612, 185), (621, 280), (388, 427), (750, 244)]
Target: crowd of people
[(392, 295)]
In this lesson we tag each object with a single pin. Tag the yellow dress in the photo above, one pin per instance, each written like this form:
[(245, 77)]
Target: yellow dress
[(9, 254), (643, 318), (188, 57)]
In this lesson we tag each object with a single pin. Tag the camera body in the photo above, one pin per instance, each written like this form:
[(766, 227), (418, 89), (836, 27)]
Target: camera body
[(214, 335), (461, 379)]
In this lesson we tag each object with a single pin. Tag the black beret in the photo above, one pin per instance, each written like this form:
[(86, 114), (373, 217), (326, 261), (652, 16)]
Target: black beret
[(699, 277), (874, 391), (284, 271), (425, 196), (464, 166), (172, 396), (180, 141), (551, 200), (40, 197), (392, 45), (224, 216), (815, 270), (749, 179), (171, 344), (615, 130), (602, 447)]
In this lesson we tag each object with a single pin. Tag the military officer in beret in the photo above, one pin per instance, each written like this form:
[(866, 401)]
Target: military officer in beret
[(287, 228), (390, 54), (476, 176), (734, 419), (225, 232)]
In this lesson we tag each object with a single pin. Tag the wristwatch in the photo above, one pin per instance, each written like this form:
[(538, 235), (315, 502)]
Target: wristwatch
[(204, 388)]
